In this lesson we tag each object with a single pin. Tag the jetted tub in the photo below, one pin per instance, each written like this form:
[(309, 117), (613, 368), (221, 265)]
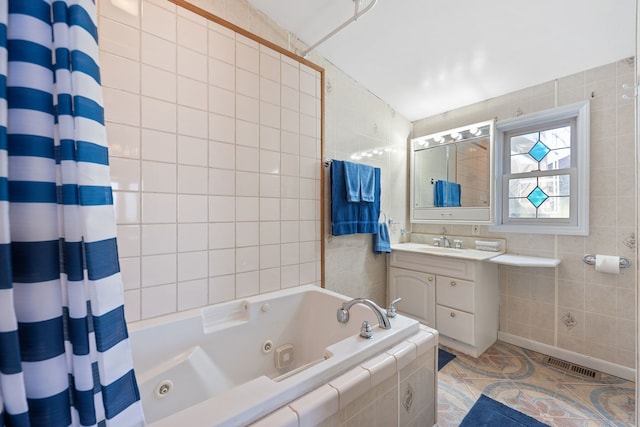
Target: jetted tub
[(232, 363)]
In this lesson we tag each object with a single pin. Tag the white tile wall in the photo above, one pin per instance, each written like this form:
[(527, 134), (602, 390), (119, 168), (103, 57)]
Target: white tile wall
[(205, 162)]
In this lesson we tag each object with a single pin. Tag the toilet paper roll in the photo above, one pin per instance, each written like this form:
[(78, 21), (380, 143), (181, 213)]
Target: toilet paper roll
[(608, 264)]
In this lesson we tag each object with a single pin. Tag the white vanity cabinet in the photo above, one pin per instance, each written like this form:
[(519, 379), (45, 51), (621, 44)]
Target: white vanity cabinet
[(458, 297)]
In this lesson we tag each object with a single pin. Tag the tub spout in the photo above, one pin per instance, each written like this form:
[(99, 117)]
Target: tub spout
[(343, 312)]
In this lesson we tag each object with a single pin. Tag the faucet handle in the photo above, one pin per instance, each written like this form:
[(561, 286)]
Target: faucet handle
[(391, 311), (342, 315), (457, 243), (437, 241), (366, 331)]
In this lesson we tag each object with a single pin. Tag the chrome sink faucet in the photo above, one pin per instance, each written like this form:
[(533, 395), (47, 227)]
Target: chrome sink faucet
[(445, 241), (343, 312)]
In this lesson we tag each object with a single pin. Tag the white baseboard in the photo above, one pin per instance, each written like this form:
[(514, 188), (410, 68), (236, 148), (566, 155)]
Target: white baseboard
[(570, 356)]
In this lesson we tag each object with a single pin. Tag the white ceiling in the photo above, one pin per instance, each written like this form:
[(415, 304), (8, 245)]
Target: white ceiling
[(424, 57)]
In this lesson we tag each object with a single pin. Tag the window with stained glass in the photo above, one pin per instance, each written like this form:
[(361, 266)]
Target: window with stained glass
[(537, 186), (544, 172)]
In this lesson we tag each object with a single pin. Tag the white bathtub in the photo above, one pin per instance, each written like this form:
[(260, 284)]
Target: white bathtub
[(216, 366)]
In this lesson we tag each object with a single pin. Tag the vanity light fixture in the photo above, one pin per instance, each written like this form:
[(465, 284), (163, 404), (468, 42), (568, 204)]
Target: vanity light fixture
[(456, 135), (439, 139), (475, 131)]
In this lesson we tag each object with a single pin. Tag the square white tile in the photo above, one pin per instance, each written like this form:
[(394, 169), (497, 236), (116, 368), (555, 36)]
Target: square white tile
[(192, 208), (247, 234), (247, 133), (247, 208), (192, 93), (192, 151), (123, 140), (192, 179), (158, 208), (159, 239), (159, 21), (221, 208), (192, 265), (222, 288), (158, 52), (269, 256), (158, 146), (192, 64), (222, 155), (222, 235), (222, 182), (158, 269), (158, 83), (158, 115), (192, 294), (159, 177), (158, 300), (193, 237)]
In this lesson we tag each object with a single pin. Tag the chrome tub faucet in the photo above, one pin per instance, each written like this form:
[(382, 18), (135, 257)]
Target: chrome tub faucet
[(383, 319)]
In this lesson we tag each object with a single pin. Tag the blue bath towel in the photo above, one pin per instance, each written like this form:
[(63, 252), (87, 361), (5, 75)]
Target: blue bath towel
[(381, 241), (446, 193), (352, 217), (360, 182)]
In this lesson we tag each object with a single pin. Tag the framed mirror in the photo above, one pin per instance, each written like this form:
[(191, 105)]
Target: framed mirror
[(451, 175)]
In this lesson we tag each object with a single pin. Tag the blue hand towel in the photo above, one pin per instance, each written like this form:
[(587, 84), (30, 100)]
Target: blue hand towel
[(446, 193), (360, 181), (381, 241), (352, 217), (367, 182), (352, 181)]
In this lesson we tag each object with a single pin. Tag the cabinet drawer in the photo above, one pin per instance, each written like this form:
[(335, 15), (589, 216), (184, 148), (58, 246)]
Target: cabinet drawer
[(455, 324), (433, 264), (455, 293)]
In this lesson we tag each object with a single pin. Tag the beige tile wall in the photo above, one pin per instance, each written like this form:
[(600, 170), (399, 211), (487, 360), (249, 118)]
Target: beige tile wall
[(534, 300), (215, 159)]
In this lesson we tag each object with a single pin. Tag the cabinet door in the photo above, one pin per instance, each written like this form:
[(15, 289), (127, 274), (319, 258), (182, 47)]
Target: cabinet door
[(418, 293)]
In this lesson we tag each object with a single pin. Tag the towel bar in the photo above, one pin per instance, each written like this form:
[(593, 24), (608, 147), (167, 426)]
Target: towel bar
[(591, 260)]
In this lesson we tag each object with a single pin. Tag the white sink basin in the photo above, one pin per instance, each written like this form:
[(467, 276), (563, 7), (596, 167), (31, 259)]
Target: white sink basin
[(446, 252)]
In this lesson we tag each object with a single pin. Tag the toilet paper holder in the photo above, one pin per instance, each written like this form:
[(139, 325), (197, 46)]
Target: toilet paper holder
[(591, 260)]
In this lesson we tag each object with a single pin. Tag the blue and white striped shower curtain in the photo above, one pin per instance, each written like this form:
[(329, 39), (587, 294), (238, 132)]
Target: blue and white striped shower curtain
[(64, 351)]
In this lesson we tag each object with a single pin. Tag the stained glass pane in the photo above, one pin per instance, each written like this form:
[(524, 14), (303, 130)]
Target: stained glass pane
[(545, 150), (521, 144), (537, 197), (521, 208), (555, 207), (557, 138), (521, 163), (539, 151), (521, 187), (557, 185), (557, 159)]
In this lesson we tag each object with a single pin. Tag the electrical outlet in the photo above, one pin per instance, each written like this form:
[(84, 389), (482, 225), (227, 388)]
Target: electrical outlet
[(475, 230)]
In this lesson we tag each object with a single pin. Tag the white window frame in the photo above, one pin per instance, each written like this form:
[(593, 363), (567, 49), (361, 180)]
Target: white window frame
[(578, 223)]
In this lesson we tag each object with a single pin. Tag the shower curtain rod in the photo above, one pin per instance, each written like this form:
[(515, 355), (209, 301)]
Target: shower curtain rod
[(356, 14)]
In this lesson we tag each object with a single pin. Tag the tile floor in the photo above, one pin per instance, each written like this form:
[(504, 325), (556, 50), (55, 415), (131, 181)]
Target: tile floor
[(518, 378)]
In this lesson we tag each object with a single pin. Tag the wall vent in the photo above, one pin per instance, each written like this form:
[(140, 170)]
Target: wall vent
[(573, 368)]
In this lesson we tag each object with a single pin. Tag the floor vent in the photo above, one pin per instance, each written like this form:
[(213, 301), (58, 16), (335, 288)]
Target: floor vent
[(570, 367)]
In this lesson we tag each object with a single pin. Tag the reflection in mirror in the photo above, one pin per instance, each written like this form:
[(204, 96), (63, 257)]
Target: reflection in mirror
[(451, 174)]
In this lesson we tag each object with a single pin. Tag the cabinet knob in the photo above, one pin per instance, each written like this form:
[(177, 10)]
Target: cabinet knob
[(431, 278), (453, 283), (452, 314)]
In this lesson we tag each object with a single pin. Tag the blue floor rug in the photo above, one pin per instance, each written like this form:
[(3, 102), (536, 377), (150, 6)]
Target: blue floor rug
[(444, 357), (488, 412)]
